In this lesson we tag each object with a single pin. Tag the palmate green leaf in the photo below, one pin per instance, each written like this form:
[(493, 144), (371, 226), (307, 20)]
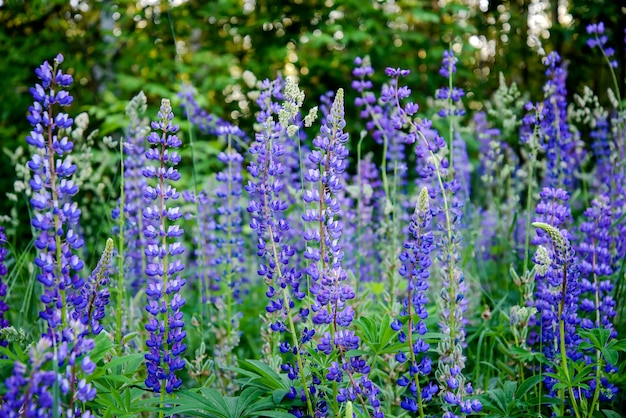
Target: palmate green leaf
[(619, 345), (279, 394), (525, 355), (131, 361), (599, 337), (608, 414), (498, 400), (610, 355), (102, 346), (209, 403), (528, 384), (260, 374), (131, 404), (380, 338)]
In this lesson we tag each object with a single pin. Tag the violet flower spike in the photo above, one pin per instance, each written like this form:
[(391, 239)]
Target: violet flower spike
[(55, 216), (415, 268), (164, 272)]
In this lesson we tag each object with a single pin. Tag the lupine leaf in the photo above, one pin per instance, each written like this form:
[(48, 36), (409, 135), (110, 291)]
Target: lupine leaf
[(528, 384)]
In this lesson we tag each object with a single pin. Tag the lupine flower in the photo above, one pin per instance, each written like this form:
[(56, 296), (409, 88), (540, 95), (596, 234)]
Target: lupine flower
[(323, 233), (382, 120), (134, 200), (557, 299), (205, 252), (552, 209), (200, 118), (596, 303), (229, 261), (55, 216), (599, 40), (562, 153), (166, 341), (451, 95), (433, 170), (415, 269), (267, 206), (30, 392), (363, 220), (4, 322), (491, 163), (94, 295), (324, 251), (449, 210)]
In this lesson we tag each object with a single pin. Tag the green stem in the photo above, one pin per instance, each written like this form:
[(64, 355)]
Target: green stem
[(531, 169), (229, 292), (292, 328), (163, 209), (120, 273)]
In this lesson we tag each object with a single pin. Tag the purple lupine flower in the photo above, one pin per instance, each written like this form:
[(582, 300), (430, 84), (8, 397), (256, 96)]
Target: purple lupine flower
[(552, 209), (94, 295), (268, 205), (134, 200), (599, 40), (602, 152), (205, 252), (324, 251), (382, 119), (462, 166), (491, 162), (269, 201), (415, 268), (325, 254), (31, 392), (73, 360), (433, 168), (229, 260), (4, 322), (556, 298), (562, 152), (229, 213), (596, 303), (363, 220), (449, 211), (205, 122), (30, 387), (451, 95), (55, 216), (166, 326)]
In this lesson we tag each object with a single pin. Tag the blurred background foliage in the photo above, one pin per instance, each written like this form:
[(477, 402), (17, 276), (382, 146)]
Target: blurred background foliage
[(114, 49)]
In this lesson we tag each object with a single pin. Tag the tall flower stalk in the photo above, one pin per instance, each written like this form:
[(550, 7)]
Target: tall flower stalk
[(561, 292), (55, 217), (131, 243), (166, 326), (434, 169), (328, 280), (416, 262), (268, 203), (229, 261)]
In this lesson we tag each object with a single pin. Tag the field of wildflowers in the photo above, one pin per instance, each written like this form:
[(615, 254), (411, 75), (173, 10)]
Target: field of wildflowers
[(301, 276)]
